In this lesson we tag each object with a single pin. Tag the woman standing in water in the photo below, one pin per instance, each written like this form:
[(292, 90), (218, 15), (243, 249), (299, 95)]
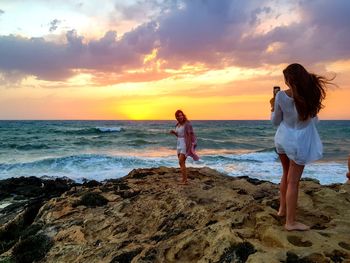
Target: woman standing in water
[(297, 141), (186, 142)]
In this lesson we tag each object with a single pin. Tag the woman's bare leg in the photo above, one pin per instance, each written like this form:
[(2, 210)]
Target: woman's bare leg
[(283, 184), (348, 174), (294, 175), (182, 162)]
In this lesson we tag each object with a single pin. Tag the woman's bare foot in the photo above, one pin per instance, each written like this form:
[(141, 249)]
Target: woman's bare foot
[(281, 212), (296, 226)]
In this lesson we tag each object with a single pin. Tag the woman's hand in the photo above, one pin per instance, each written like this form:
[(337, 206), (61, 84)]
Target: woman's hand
[(272, 103), (173, 132)]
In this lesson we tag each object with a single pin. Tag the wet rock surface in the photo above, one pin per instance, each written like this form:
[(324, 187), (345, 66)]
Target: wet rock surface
[(147, 217)]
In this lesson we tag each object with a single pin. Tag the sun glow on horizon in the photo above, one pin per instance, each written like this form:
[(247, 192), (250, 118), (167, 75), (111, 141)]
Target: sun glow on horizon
[(142, 60), (231, 93)]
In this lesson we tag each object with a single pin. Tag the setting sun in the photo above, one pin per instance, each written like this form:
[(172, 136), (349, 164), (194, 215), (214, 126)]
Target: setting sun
[(141, 62), (153, 130)]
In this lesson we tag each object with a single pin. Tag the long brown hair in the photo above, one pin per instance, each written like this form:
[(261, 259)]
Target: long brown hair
[(177, 113), (308, 90)]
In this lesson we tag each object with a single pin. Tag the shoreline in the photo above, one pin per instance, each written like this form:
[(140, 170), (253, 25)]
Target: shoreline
[(103, 149), (274, 172)]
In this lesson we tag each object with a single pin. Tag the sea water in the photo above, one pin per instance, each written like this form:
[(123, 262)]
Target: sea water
[(111, 149)]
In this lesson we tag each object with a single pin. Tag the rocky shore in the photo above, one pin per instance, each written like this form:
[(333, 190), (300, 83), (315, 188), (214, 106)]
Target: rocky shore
[(147, 217)]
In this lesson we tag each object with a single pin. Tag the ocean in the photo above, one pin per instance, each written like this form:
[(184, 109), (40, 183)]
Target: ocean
[(111, 149)]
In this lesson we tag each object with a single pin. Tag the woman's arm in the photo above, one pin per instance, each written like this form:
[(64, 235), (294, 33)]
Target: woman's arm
[(173, 132), (276, 111)]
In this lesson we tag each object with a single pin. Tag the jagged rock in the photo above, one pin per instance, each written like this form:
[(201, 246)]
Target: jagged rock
[(23, 197), (92, 200), (216, 218), (32, 248)]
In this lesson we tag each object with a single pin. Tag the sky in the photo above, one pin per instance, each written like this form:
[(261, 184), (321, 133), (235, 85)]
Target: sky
[(144, 59)]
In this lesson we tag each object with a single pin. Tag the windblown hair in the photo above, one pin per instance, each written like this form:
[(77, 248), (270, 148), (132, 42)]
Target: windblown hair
[(309, 90), (178, 112)]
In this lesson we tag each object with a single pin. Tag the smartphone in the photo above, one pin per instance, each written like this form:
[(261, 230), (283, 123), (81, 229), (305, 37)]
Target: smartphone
[(275, 90)]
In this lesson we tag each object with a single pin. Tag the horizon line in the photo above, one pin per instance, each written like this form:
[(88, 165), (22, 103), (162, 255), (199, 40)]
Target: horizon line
[(154, 120)]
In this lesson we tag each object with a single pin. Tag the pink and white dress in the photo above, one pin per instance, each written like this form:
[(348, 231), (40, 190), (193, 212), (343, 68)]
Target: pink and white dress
[(181, 144), (186, 140)]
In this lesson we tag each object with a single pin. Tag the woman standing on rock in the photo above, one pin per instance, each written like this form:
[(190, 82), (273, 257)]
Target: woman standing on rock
[(297, 141), (186, 142)]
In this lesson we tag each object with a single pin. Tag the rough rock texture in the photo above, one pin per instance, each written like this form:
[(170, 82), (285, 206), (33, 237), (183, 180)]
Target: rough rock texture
[(20, 200), (216, 218), (22, 193)]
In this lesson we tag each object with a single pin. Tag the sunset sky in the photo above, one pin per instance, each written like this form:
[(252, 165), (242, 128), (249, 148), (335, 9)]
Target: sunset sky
[(144, 59)]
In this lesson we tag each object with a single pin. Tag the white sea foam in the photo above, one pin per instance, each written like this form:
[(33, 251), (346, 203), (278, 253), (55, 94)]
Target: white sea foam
[(109, 129), (266, 166), (5, 204), (261, 165), (101, 149), (255, 157)]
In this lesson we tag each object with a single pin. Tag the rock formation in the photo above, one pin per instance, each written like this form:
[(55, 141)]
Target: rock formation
[(147, 217)]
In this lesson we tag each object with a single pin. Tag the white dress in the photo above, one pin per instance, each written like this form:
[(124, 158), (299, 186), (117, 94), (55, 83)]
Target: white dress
[(299, 140), (181, 144)]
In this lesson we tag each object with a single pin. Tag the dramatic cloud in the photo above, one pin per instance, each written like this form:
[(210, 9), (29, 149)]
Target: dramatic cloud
[(211, 33), (54, 25), (189, 36), (135, 11), (218, 34), (52, 61), (321, 35)]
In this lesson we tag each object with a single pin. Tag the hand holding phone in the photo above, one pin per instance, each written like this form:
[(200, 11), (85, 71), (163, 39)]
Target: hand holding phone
[(276, 89)]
